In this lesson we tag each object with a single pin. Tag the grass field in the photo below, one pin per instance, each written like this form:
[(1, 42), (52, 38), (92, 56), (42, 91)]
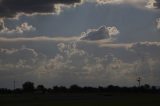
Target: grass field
[(80, 100)]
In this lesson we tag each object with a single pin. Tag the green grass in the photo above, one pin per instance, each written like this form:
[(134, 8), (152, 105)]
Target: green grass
[(81, 100)]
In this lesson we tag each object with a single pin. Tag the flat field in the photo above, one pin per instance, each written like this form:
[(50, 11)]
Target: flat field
[(77, 99)]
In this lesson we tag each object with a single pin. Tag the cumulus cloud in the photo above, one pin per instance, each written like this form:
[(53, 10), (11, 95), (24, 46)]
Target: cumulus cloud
[(70, 49), (103, 32), (147, 49), (63, 62), (151, 4), (14, 59), (80, 62), (156, 3), (95, 34), (16, 51), (8, 51), (92, 68), (11, 8), (21, 64), (24, 27), (2, 26)]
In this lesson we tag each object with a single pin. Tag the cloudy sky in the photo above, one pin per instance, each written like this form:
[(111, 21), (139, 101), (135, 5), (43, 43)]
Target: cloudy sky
[(84, 42)]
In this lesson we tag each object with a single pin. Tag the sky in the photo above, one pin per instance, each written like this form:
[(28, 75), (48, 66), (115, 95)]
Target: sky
[(84, 42)]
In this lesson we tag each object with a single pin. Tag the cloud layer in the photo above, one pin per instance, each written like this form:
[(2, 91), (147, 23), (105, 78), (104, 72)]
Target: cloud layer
[(80, 62)]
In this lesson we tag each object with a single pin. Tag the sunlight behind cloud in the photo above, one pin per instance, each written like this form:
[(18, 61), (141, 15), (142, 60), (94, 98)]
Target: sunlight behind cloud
[(152, 4)]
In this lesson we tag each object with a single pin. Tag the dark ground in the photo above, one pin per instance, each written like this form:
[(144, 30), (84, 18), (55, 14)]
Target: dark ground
[(85, 99)]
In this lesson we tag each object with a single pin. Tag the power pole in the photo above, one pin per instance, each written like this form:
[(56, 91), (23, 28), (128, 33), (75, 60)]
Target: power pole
[(139, 81)]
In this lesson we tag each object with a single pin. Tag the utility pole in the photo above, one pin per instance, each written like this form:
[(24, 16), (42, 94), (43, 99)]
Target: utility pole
[(139, 81)]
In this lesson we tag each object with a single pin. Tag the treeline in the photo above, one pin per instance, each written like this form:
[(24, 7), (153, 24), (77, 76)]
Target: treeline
[(28, 87)]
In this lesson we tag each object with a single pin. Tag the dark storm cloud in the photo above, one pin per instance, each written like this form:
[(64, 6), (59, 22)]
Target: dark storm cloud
[(10, 8)]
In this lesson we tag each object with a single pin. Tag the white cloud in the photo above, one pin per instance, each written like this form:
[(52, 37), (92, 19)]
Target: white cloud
[(24, 27), (151, 3), (113, 31), (70, 49), (8, 51), (88, 67), (11, 51), (61, 47), (2, 26), (18, 58), (57, 63)]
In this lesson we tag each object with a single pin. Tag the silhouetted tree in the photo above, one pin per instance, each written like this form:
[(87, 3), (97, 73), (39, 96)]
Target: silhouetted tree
[(17, 91), (5, 91), (60, 89), (28, 87), (146, 86), (75, 88), (41, 88)]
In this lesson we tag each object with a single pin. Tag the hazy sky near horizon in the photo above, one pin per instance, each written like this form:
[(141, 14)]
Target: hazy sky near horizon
[(89, 42)]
